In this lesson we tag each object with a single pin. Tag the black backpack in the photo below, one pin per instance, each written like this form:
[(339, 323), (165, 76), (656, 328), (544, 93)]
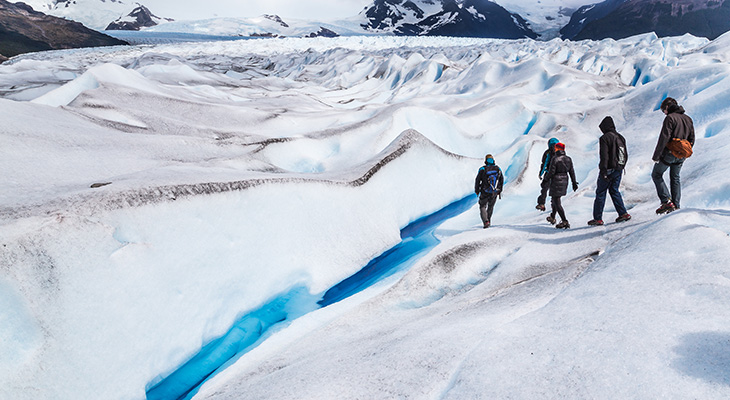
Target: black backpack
[(622, 155), (491, 180)]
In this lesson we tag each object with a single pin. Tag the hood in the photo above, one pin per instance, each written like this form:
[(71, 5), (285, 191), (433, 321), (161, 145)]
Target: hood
[(552, 142), (607, 125), (675, 109)]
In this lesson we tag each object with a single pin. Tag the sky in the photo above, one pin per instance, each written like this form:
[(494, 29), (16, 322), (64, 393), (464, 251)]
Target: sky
[(310, 9), (159, 198)]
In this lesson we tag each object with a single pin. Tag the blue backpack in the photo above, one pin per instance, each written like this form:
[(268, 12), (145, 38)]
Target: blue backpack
[(491, 180)]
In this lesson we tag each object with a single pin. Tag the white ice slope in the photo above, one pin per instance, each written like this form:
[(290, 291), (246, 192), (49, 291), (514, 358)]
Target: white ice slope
[(106, 290)]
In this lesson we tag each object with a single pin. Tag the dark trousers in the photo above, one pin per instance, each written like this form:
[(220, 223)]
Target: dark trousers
[(674, 165), (486, 206), (544, 187), (557, 207), (610, 185)]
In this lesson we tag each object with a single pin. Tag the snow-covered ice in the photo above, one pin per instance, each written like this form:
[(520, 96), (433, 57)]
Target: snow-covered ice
[(154, 196)]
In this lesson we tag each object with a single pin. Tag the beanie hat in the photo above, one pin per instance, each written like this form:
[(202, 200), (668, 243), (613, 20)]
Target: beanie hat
[(489, 160), (560, 146)]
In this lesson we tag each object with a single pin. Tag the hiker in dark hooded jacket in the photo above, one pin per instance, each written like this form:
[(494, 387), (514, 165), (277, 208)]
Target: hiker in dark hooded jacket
[(547, 156), (612, 160), (677, 125), (488, 186), (561, 169)]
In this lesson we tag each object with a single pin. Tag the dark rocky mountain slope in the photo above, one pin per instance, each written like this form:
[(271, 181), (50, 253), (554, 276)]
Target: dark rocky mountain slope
[(23, 30), (618, 19)]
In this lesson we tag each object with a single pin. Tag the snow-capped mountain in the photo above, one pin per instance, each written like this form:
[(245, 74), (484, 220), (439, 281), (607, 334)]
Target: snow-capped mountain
[(95, 14), (546, 17), (262, 26), (624, 18), (140, 17), (466, 18), (24, 30)]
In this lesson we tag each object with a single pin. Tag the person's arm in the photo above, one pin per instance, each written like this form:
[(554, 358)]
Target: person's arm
[(603, 155), (542, 164), (478, 182), (500, 183), (664, 136), (571, 172)]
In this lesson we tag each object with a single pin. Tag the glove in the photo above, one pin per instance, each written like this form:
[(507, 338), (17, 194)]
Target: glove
[(575, 186)]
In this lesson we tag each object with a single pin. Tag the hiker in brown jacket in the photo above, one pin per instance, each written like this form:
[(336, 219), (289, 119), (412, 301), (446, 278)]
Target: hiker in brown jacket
[(677, 125)]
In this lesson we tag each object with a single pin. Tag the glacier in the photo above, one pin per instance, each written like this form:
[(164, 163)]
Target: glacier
[(155, 195)]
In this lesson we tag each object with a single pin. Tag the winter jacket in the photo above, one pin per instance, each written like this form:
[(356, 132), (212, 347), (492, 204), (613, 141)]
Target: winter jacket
[(560, 169), (481, 184), (676, 125), (608, 145), (547, 156)]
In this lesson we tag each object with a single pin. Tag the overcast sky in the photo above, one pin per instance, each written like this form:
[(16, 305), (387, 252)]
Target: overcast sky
[(304, 9)]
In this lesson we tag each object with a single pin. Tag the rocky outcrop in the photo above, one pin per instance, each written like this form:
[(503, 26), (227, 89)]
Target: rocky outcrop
[(23, 30), (323, 32), (140, 17)]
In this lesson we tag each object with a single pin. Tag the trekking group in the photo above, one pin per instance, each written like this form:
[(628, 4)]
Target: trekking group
[(674, 145)]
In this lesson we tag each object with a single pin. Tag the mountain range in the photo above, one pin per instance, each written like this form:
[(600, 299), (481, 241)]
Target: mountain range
[(466, 18), (504, 19)]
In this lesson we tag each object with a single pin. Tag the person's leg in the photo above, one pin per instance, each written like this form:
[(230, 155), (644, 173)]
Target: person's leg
[(490, 206), (553, 210), (483, 209), (613, 189), (544, 187), (600, 200), (674, 183), (657, 176), (558, 207)]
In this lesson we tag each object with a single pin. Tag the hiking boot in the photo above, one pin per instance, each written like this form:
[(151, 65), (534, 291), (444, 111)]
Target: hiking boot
[(551, 220), (597, 222), (486, 225), (540, 207), (623, 218), (563, 225), (666, 208)]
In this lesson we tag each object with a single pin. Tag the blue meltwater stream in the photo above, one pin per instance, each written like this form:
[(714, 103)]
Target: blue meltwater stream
[(416, 240)]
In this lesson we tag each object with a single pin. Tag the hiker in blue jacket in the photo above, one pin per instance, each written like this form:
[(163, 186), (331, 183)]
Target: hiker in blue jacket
[(488, 186), (547, 156)]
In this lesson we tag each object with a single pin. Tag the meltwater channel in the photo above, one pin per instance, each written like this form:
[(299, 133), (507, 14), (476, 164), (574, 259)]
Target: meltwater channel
[(416, 240)]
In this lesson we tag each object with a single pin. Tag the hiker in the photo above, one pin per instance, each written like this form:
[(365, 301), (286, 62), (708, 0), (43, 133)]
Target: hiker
[(677, 130), (488, 186), (561, 167), (612, 160), (547, 156)]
